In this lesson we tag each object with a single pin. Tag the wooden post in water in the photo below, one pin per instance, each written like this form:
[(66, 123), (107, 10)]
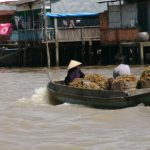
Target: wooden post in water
[(45, 35), (56, 41), (26, 46)]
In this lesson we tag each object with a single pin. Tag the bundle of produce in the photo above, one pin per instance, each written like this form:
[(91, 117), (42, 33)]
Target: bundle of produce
[(77, 83), (145, 78), (124, 82), (83, 83), (90, 85), (99, 79), (146, 72)]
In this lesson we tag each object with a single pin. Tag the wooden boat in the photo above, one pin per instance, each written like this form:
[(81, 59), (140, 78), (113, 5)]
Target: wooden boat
[(106, 99)]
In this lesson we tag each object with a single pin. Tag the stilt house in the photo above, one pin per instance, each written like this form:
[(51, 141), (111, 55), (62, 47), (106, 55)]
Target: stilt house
[(120, 26), (70, 36)]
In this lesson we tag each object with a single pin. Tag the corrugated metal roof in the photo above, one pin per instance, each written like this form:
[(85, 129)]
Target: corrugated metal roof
[(68, 6), (77, 6)]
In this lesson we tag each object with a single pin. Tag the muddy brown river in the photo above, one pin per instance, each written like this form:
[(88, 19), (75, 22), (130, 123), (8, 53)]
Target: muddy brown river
[(29, 122)]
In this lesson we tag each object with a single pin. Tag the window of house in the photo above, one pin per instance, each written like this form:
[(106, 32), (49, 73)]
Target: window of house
[(78, 22)]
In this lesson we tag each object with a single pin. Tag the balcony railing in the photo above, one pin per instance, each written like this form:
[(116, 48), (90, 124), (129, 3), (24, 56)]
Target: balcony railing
[(63, 34), (30, 35)]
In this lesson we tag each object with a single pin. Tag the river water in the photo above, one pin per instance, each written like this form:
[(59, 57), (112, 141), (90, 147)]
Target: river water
[(29, 122)]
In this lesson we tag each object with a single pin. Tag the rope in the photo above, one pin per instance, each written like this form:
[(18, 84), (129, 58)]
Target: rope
[(51, 75)]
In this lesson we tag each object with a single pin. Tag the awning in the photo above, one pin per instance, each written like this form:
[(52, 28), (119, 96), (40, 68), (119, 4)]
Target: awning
[(70, 15), (19, 2), (7, 10), (7, 1), (106, 1)]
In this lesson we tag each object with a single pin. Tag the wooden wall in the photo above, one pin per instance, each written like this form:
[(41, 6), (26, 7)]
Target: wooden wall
[(4, 18)]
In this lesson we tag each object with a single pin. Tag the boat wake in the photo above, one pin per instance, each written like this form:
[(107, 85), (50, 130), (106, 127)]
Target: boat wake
[(40, 97)]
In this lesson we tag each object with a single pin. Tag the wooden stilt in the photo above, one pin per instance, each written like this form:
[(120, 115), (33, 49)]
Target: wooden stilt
[(83, 50), (90, 52), (46, 36), (56, 42), (57, 54), (120, 49), (24, 57), (141, 53)]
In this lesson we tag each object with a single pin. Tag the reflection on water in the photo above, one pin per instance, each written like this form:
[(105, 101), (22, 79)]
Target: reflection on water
[(29, 121)]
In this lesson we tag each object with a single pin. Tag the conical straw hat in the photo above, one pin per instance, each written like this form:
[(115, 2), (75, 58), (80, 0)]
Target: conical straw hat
[(73, 63)]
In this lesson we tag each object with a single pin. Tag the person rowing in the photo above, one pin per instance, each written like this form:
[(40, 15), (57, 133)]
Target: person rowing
[(74, 71)]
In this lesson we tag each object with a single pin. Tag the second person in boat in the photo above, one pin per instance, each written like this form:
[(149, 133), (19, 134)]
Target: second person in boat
[(120, 69)]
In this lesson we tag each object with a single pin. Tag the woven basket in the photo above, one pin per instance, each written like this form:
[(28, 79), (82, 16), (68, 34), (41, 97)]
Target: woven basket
[(124, 85)]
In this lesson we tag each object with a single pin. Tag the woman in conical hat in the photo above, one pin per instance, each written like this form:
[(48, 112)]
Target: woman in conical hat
[(73, 63), (73, 71)]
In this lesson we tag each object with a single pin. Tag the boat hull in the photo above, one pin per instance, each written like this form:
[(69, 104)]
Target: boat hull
[(97, 98)]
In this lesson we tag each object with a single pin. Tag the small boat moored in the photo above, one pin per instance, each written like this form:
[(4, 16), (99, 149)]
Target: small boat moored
[(105, 99)]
